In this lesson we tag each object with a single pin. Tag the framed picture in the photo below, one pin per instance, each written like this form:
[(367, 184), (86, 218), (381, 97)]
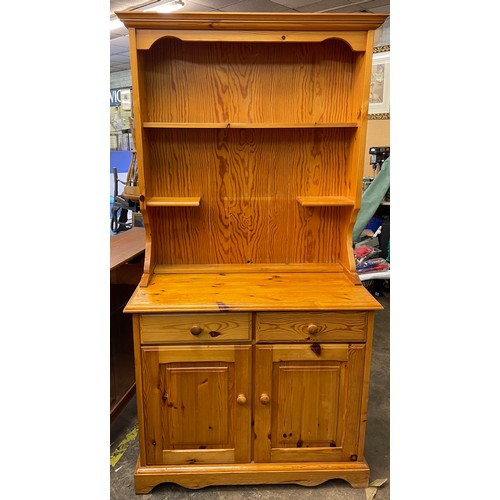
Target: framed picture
[(126, 99), (380, 84)]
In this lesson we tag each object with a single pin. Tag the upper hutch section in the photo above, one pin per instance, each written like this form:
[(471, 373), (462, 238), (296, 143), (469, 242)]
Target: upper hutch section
[(250, 133), (230, 83)]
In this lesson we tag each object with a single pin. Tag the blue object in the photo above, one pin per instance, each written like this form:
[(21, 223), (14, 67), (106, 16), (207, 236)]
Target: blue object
[(374, 224), (121, 160)]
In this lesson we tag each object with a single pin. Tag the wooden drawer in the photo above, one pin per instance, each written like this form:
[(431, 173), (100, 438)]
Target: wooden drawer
[(304, 326), (176, 328)]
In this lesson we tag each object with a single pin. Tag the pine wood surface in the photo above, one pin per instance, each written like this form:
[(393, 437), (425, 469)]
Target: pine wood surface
[(248, 125), (314, 326), (199, 476), (314, 397), (198, 327), (249, 184), (259, 22), (192, 404), (250, 83), (250, 292)]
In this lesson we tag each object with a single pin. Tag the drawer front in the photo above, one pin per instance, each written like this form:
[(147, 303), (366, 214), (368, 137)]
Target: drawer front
[(313, 326), (207, 328)]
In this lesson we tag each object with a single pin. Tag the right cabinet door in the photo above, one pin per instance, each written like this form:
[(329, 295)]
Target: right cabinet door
[(308, 402)]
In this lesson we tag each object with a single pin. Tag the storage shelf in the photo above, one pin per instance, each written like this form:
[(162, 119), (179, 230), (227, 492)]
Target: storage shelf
[(248, 125), (325, 201), (158, 201)]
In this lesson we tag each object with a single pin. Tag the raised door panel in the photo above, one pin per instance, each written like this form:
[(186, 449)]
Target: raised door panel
[(196, 404), (307, 402)]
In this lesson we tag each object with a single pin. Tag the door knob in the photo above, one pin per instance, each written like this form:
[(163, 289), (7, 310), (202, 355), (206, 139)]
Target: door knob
[(196, 330), (312, 329), (241, 399), (264, 398)]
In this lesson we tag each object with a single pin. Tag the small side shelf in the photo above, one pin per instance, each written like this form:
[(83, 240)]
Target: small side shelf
[(325, 201), (248, 125), (158, 201)]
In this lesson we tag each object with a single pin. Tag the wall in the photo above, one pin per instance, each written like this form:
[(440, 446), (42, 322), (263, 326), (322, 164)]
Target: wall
[(377, 134)]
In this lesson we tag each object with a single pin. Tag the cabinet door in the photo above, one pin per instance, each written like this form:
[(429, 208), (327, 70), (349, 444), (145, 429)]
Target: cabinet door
[(308, 402), (196, 404)]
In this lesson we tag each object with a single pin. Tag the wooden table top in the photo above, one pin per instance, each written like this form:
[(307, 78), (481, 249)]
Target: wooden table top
[(260, 291), (127, 245)]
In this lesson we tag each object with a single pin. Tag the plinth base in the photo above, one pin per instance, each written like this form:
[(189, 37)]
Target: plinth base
[(357, 474)]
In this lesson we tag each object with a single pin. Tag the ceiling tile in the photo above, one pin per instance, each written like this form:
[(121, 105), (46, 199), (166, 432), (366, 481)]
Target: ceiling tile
[(374, 4), (255, 6), (119, 50), (120, 42), (381, 10), (322, 5), (213, 4), (194, 7), (120, 59), (118, 32), (119, 67), (294, 4)]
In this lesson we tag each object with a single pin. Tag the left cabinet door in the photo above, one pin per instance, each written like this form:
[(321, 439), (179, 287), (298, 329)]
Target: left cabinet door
[(196, 404)]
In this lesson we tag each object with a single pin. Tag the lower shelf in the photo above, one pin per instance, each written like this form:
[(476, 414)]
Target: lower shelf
[(357, 474)]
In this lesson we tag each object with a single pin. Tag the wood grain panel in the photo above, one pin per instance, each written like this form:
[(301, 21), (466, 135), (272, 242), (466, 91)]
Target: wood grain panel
[(173, 70), (248, 83), (151, 406), (249, 89), (308, 395), (333, 61), (314, 401), (161, 328), (205, 456), (240, 291), (248, 181), (198, 410), (320, 161), (189, 401), (331, 326)]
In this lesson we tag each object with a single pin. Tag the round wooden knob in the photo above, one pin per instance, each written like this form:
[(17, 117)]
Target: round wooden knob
[(264, 399), (196, 330), (241, 399), (312, 329)]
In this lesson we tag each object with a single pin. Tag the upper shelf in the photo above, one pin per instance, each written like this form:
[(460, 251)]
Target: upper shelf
[(248, 125)]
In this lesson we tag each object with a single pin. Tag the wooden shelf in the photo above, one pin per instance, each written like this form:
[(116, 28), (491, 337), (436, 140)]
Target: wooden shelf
[(249, 268), (249, 125), (158, 201), (325, 201)]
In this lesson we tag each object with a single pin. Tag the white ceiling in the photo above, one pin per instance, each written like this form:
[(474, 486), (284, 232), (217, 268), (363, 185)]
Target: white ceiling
[(120, 55)]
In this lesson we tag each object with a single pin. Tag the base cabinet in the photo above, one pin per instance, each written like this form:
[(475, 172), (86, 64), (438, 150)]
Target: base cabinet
[(212, 413)]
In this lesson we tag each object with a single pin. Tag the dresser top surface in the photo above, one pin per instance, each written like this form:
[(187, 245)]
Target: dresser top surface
[(267, 291)]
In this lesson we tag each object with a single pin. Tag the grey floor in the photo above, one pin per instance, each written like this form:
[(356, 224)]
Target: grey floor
[(125, 446)]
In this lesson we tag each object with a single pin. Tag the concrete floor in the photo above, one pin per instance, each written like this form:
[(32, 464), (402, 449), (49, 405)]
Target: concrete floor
[(125, 446)]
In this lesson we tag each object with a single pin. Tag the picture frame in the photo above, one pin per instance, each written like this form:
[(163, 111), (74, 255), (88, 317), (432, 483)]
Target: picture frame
[(379, 104)]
